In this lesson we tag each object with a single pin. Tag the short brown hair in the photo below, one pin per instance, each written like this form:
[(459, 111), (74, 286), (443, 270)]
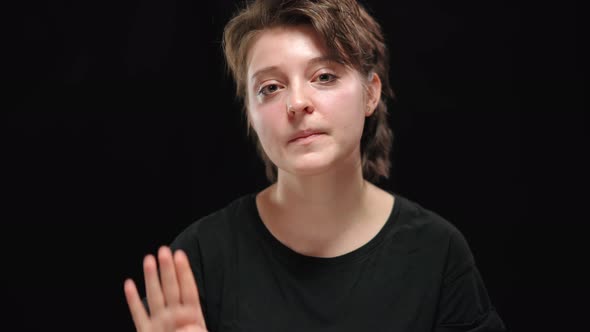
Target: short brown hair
[(354, 37)]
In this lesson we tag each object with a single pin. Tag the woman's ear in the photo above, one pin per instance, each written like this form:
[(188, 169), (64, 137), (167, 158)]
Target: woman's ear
[(373, 93)]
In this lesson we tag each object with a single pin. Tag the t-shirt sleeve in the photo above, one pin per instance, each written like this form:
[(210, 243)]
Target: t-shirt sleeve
[(464, 302)]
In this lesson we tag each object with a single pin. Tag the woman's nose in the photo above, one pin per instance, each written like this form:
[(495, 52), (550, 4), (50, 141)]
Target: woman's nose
[(298, 101)]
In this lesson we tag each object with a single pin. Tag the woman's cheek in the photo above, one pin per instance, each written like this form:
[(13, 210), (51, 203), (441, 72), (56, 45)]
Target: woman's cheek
[(265, 120)]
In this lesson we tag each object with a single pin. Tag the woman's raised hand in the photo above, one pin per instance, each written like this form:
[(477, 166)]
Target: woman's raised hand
[(173, 297)]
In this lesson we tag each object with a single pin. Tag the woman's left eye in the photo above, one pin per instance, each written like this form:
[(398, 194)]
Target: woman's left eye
[(326, 77)]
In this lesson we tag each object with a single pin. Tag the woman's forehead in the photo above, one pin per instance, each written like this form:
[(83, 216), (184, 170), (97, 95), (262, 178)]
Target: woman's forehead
[(278, 44)]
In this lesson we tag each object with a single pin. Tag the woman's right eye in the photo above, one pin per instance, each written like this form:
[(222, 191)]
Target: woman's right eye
[(268, 89)]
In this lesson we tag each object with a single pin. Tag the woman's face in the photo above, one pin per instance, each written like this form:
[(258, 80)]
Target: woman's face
[(307, 110)]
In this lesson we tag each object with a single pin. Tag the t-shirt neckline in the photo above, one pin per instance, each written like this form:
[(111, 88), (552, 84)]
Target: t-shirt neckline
[(350, 257)]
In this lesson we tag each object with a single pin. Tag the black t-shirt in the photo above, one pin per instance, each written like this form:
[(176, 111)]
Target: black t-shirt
[(417, 274)]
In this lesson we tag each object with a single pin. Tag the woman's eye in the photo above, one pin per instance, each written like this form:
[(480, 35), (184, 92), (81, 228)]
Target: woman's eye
[(268, 89), (326, 77)]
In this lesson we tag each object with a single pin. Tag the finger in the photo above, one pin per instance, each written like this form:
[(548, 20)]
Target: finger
[(189, 293), (152, 285), (168, 277), (138, 313)]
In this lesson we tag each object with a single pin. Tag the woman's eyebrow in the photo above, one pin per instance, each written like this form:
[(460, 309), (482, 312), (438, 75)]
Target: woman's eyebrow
[(311, 62), (322, 59), (263, 71)]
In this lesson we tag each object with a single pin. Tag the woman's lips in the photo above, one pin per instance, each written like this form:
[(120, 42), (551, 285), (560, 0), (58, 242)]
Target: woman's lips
[(307, 138)]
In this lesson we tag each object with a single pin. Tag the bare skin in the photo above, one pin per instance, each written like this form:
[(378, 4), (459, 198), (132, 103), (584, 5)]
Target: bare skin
[(174, 303), (332, 225)]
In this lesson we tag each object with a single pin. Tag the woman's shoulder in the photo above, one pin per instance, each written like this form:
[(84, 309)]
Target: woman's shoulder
[(429, 227), (414, 214)]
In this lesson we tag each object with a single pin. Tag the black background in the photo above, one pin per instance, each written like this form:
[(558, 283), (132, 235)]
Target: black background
[(122, 128)]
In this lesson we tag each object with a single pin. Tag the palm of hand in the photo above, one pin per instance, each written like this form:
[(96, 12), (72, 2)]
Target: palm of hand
[(173, 298)]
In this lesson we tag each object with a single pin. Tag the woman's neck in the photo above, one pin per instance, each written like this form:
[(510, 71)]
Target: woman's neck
[(324, 216), (320, 196), (319, 214)]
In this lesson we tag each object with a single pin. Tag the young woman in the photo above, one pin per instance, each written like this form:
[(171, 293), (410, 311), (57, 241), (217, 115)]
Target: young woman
[(321, 248)]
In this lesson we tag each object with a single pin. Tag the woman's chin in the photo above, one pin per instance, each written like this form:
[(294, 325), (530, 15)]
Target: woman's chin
[(310, 165)]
